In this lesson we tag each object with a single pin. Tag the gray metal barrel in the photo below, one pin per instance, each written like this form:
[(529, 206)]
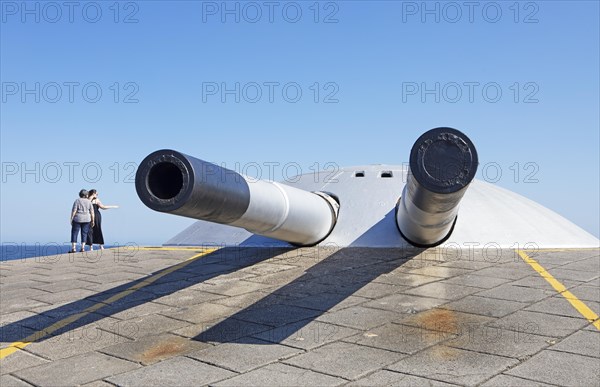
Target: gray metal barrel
[(443, 162), (172, 182)]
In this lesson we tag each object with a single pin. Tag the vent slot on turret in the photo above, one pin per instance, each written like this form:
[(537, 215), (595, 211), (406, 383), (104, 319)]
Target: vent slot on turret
[(386, 174), (359, 174)]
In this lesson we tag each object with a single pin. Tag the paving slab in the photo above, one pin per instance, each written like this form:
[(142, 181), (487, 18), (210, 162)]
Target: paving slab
[(445, 320), (25, 293), (591, 264), (501, 342), (375, 290), (17, 332), (560, 306), (491, 307), (443, 290), (225, 289), (152, 349), (143, 309), (69, 371), (62, 309), (9, 284), (440, 271), (512, 381), (98, 383), (591, 327), (562, 257), (279, 278), (275, 315), (221, 331), (108, 288), (9, 318), (326, 301), (306, 334), (49, 276), (64, 285), (390, 378), (148, 325), (244, 356), (537, 281), (82, 340), (359, 317), (586, 292), (18, 361), (466, 263), (187, 297), (405, 279), (243, 301), (540, 324), (582, 343), (230, 278), (398, 338), (453, 365), (549, 367), (510, 273), (345, 360), (562, 274), (478, 281), (131, 298), (186, 371), (11, 381), (517, 293), (202, 313), (14, 279), (266, 268), (117, 276), (405, 303), (302, 288), (282, 375), (20, 304)]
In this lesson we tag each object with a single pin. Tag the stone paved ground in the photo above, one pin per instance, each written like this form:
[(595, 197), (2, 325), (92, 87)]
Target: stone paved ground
[(311, 316)]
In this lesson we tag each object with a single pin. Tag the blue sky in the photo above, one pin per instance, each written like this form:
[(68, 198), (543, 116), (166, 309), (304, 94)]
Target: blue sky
[(520, 78)]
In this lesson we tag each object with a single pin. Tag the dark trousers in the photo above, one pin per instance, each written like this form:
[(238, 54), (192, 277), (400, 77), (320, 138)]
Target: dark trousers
[(76, 228)]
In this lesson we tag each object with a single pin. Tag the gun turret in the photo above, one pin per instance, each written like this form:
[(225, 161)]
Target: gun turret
[(443, 162)]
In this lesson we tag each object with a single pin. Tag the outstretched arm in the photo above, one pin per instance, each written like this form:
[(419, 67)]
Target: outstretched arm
[(102, 206)]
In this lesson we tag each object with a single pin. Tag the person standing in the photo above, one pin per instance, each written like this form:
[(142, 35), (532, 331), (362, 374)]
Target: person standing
[(95, 235), (82, 217)]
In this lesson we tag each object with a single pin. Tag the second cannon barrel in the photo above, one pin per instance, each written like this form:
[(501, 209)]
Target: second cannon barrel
[(443, 162), (172, 182)]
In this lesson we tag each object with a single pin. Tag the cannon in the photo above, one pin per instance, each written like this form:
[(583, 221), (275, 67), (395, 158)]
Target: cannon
[(175, 183), (443, 161)]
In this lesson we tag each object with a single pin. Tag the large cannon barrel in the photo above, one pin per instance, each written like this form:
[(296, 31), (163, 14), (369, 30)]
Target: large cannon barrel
[(443, 162), (175, 183)]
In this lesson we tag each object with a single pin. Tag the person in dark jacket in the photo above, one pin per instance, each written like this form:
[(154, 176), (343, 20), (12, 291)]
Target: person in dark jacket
[(95, 235)]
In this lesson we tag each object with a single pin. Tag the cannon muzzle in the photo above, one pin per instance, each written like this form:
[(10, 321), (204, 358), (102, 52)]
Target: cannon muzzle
[(443, 162), (172, 182)]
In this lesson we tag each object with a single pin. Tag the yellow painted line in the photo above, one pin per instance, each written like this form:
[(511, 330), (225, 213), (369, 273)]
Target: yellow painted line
[(567, 249), (560, 288), (13, 347), (159, 248)]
